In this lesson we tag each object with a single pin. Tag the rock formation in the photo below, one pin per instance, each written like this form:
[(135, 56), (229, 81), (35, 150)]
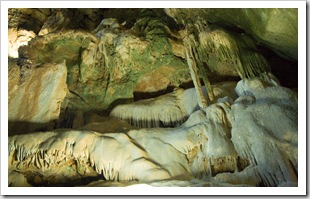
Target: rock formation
[(35, 100), (165, 97), (233, 142)]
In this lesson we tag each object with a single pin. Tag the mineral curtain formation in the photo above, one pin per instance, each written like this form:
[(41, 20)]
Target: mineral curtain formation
[(181, 97)]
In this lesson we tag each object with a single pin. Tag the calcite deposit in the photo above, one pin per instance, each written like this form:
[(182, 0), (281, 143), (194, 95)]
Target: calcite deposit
[(162, 97)]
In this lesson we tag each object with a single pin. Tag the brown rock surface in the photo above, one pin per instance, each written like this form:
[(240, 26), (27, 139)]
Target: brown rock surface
[(35, 103), (159, 79)]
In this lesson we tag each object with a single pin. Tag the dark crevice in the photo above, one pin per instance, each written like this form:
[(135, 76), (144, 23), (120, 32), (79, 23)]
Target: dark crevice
[(146, 95), (69, 182), (293, 168), (242, 163), (229, 27), (285, 70), (23, 127)]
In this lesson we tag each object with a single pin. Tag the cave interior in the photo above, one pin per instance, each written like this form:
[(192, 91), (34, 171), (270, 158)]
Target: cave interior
[(103, 97)]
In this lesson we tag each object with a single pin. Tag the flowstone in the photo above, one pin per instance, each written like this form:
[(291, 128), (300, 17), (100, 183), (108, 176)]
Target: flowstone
[(233, 143), (105, 97)]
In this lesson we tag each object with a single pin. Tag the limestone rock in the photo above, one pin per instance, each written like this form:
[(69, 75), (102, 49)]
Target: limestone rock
[(107, 67), (13, 77), (134, 56), (171, 109), (227, 54), (67, 45), (30, 19), (55, 47), (75, 118), (265, 131), (178, 48), (238, 143), (45, 20), (57, 21), (275, 27), (62, 19), (160, 79), (139, 153), (18, 38), (89, 18), (250, 87), (17, 179), (31, 105), (166, 110)]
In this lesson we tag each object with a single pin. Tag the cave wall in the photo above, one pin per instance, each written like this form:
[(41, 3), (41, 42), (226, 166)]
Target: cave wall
[(102, 95), (116, 56)]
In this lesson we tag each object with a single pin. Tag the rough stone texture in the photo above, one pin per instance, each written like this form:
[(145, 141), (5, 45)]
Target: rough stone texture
[(107, 67), (178, 49), (34, 103), (53, 19), (27, 18), (139, 54), (62, 19), (57, 21), (247, 136), (17, 179), (274, 27), (56, 47), (240, 143), (112, 62), (160, 79), (13, 77), (163, 111), (18, 38)]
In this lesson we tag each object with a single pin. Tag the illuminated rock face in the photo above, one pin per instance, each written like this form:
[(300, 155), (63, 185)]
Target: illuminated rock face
[(141, 54), (112, 62), (18, 38), (35, 101), (76, 118), (230, 143)]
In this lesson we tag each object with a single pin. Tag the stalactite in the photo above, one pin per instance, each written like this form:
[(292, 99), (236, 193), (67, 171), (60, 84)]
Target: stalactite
[(200, 57), (195, 62), (194, 73), (238, 50), (204, 74)]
